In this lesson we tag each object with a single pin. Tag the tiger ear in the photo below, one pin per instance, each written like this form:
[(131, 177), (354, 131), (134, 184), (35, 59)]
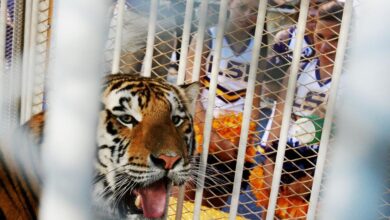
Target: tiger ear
[(191, 91)]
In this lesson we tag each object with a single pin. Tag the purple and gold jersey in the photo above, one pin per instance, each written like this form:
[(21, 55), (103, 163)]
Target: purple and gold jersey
[(311, 92), (232, 76)]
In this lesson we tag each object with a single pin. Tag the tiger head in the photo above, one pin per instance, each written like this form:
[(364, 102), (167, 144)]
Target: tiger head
[(145, 142)]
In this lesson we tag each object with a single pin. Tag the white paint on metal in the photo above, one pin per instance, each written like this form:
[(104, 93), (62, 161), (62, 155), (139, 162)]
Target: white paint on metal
[(118, 37), (210, 106), (327, 127), (147, 64), (304, 8), (248, 108), (69, 145)]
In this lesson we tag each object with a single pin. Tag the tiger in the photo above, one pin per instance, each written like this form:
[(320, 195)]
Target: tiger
[(145, 145)]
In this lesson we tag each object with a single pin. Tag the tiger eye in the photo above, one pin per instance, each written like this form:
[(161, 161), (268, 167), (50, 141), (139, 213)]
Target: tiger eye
[(127, 119), (177, 120)]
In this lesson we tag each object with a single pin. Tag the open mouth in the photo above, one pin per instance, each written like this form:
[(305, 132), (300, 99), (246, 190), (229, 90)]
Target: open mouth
[(151, 200)]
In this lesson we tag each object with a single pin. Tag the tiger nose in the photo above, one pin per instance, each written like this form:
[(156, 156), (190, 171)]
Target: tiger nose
[(166, 161)]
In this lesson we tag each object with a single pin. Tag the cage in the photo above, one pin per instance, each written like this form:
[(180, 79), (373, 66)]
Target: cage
[(251, 58)]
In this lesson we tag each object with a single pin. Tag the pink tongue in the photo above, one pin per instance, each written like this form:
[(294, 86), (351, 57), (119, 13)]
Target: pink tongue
[(154, 200)]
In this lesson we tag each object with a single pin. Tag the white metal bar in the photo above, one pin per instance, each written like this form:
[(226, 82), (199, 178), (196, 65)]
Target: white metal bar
[(69, 145), (25, 69), (324, 143), (248, 108), (199, 40), (29, 68), (358, 185), (180, 203), (210, 106), (301, 25), (198, 54), (180, 80), (16, 65), (3, 28), (42, 52), (147, 65), (118, 37), (185, 41)]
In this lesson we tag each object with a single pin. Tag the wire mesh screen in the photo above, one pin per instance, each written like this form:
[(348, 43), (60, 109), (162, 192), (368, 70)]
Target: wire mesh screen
[(42, 54), (136, 17), (35, 57), (384, 207), (314, 63), (11, 72), (276, 54)]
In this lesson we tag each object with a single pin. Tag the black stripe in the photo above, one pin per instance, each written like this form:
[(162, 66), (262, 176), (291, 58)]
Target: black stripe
[(140, 172), (192, 144), (128, 87), (7, 173), (2, 216), (138, 165), (133, 158), (116, 140), (119, 108), (26, 200), (29, 207), (110, 128), (28, 186), (188, 129), (4, 186), (121, 150), (123, 100), (116, 85), (101, 163)]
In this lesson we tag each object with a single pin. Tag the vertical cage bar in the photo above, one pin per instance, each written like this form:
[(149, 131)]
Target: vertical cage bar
[(3, 26), (358, 185), (26, 53), (147, 65), (16, 63), (324, 143), (210, 106), (199, 40), (301, 25), (248, 108), (118, 37), (29, 67), (198, 54), (185, 41), (73, 94), (180, 203), (42, 56), (48, 49), (180, 80)]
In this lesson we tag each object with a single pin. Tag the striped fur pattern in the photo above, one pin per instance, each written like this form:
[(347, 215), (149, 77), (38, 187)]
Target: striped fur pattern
[(142, 120), (19, 179), (145, 140)]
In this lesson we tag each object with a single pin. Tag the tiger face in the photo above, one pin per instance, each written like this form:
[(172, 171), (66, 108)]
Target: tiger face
[(145, 142)]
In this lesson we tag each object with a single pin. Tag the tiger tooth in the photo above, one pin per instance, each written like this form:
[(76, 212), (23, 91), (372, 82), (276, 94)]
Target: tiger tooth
[(138, 201)]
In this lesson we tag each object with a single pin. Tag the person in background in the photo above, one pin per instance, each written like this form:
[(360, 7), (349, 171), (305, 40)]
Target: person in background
[(281, 57), (313, 83), (233, 73), (280, 15), (285, 41)]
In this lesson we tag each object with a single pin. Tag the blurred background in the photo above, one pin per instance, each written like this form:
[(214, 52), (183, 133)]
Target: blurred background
[(192, 40)]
